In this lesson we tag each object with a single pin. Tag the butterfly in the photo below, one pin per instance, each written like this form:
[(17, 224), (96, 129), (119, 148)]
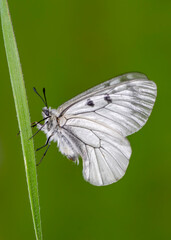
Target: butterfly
[(94, 125)]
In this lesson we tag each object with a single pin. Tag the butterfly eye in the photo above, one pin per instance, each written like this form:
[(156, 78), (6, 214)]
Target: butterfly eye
[(46, 112)]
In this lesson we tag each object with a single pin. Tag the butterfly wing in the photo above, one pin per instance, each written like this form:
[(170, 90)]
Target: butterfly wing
[(125, 107), (104, 151), (101, 88), (99, 122)]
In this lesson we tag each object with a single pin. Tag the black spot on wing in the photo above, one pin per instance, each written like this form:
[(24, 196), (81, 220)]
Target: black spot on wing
[(107, 98), (90, 103)]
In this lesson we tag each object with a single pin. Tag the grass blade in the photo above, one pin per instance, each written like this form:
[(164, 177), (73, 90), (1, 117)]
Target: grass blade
[(23, 117)]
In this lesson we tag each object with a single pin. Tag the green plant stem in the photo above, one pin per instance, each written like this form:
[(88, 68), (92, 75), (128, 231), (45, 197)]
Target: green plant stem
[(23, 117)]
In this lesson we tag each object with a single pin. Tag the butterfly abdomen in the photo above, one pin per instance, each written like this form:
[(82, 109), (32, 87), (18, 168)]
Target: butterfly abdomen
[(67, 147)]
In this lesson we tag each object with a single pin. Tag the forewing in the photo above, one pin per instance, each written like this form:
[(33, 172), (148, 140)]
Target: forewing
[(125, 107), (101, 88)]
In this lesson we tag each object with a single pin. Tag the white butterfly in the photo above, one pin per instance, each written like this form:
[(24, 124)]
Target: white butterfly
[(94, 125)]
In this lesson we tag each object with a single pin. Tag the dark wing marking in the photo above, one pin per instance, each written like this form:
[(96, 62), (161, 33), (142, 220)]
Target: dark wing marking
[(127, 111), (101, 87)]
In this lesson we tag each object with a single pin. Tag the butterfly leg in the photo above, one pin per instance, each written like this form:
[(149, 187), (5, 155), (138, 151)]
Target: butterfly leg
[(37, 124), (43, 156), (47, 142)]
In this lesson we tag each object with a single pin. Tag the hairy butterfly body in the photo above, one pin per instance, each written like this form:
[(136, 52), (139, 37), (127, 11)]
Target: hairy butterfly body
[(94, 125)]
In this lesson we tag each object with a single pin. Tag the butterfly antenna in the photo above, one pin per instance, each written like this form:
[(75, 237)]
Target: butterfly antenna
[(44, 101), (45, 97)]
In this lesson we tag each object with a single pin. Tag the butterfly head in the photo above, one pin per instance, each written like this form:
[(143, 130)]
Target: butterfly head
[(49, 117), (46, 112)]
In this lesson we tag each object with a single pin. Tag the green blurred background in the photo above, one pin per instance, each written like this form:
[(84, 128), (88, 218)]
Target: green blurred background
[(68, 47)]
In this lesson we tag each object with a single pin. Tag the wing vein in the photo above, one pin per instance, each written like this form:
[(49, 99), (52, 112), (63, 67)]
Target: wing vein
[(99, 167), (137, 110), (133, 101), (112, 145), (113, 158), (123, 116), (88, 162), (93, 122), (107, 164), (113, 119), (75, 135)]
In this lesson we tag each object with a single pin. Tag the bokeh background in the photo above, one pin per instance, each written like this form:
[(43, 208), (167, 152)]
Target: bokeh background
[(68, 47)]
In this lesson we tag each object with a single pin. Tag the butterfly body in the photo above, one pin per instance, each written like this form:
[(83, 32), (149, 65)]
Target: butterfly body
[(94, 125), (54, 132)]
